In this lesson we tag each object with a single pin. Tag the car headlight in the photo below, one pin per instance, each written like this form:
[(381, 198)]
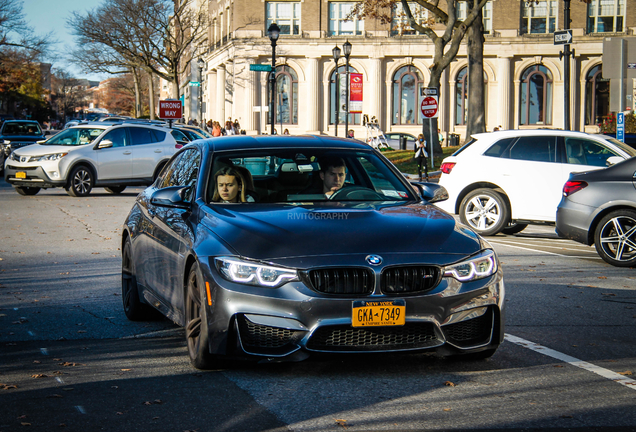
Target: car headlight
[(49, 157), (477, 267), (252, 273)]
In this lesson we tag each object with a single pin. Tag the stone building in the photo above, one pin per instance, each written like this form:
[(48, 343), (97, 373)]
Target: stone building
[(522, 70)]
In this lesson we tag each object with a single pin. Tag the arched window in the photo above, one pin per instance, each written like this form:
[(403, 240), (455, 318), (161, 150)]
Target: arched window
[(341, 90), (407, 83), (461, 95), (286, 98), (596, 96), (536, 96)]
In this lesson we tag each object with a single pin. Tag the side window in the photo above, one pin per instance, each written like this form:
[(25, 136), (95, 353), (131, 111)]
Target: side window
[(585, 152), (498, 149), (158, 135), (117, 136), (179, 136), (139, 135), (535, 148), (183, 171)]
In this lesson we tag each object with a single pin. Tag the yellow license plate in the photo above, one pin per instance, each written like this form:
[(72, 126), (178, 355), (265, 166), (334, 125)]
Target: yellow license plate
[(20, 174), (378, 313)]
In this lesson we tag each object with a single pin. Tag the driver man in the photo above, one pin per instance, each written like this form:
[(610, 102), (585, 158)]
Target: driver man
[(332, 173)]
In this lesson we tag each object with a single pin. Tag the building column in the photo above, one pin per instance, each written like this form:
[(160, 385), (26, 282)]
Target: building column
[(504, 93), (312, 96), (249, 96), (375, 91), (220, 95), (211, 107)]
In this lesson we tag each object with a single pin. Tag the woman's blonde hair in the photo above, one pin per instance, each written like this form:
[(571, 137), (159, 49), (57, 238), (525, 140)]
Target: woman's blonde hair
[(229, 171)]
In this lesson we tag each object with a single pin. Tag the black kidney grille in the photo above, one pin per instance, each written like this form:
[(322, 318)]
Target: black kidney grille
[(347, 338), (412, 279), (344, 281), (470, 331)]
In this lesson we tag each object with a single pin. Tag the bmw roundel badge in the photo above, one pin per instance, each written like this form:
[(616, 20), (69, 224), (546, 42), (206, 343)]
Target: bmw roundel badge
[(374, 259)]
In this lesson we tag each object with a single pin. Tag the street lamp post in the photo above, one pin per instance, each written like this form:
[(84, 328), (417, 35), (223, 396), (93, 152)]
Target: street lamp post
[(336, 57), (273, 32), (347, 52), (201, 64)]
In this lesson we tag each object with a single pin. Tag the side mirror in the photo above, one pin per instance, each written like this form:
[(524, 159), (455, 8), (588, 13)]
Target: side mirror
[(105, 144), (432, 192), (170, 197), (613, 160)]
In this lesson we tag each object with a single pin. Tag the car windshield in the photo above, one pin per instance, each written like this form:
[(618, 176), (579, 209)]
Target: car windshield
[(24, 129), (75, 137), (201, 132), (310, 174)]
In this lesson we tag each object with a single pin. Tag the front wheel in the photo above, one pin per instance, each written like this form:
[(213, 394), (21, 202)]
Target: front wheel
[(485, 211), (196, 329), (25, 190), (615, 238), (81, 182)]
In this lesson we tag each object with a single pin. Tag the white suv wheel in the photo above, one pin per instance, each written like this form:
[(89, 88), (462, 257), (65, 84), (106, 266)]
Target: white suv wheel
[(485, 211)]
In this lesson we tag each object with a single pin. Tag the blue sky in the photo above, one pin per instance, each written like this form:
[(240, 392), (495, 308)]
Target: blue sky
[(50, 16)]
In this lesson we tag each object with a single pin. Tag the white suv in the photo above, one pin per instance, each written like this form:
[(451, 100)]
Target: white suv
[(89, 155), (503, 181)]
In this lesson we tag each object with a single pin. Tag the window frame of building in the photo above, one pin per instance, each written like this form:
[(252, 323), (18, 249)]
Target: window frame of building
[(285, 72), (289, 25), (595, 85), (336, 23), (486, 14), (461, 88), (399, 22), (354, 118), (544, 104), (530, 23), (599, 14), (398, 98)]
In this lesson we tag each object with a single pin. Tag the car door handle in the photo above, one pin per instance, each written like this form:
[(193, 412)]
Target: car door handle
[(127, 152), (158, 151)]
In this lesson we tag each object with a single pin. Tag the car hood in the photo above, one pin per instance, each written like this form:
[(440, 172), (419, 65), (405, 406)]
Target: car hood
[(272, 233), (39, 149), (23, 137)]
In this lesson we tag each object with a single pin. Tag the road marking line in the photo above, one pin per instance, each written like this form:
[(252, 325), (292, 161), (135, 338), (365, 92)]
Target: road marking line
[(60, 380), (605, 373), (80, 409), (545, 252)]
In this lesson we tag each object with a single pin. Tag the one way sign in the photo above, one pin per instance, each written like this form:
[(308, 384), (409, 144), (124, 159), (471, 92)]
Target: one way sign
[(562, 37)]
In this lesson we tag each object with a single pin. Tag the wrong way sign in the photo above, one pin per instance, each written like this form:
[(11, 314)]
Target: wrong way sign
[(170, 109), (430, 107)]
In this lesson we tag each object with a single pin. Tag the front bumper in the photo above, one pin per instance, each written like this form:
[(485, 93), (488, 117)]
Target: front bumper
[(281, 323), (34, 176)]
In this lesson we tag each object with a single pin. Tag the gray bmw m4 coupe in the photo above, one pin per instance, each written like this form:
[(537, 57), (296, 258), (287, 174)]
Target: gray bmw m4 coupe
[(277, 247)]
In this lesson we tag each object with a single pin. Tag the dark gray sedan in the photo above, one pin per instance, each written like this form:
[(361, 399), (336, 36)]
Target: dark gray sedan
[(276, 247), (599, 207)]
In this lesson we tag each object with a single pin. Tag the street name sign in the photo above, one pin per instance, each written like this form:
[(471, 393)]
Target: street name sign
[(562, 37), (170, 109), (261, 67)]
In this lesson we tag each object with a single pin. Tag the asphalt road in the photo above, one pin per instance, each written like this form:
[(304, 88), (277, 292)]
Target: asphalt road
[(70, 360)]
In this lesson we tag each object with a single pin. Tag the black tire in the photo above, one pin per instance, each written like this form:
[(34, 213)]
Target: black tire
[(80, 182), (27, 191), (115, 189), (134, 309), (615, 238), (514, 228), (196, 328), (485, 211)]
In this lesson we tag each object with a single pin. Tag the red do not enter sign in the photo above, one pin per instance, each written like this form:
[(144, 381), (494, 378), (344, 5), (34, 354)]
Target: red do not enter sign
[(429, 106)]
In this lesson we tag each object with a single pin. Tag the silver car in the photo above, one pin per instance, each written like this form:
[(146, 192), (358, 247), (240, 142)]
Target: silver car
[(599, 207), (86, 156)]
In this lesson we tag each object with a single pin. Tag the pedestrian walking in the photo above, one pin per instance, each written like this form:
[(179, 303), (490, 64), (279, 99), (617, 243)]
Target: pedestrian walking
[(421, 156)]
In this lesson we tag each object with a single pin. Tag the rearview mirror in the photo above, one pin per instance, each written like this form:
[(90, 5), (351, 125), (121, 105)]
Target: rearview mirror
[(432, 192), (105, 144), (171, 197)]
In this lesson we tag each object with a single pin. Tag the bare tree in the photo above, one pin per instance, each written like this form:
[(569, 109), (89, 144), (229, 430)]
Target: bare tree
[(16, 34), (476, 122), (446, 43), (156, 34), (67, 93)]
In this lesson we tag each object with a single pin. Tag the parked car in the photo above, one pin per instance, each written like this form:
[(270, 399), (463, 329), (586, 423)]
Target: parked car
[(16, 134), (193, 132), (599, 208), (395, 139), (374, 268), (90, 155), (503, 181)]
